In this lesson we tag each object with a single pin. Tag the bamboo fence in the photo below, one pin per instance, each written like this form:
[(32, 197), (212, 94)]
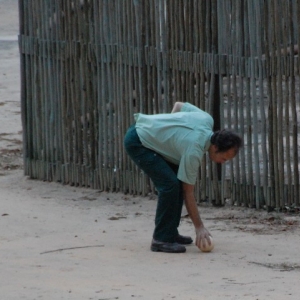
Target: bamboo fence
[(88, 65)]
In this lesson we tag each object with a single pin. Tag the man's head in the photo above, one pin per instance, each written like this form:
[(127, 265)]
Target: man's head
[(225, 144)]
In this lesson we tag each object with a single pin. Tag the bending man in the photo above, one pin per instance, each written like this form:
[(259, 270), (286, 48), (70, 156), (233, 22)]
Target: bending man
[(169, 149)]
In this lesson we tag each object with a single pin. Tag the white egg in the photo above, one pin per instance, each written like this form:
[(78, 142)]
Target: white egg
[(207, 247)]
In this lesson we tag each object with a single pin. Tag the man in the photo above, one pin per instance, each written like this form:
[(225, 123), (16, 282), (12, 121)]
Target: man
[(169, 149)]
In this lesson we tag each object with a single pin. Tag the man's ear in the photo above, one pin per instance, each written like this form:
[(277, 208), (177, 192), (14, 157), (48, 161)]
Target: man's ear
[(214, 148)]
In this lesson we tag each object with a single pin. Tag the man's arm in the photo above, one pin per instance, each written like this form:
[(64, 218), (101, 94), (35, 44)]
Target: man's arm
[(191, 206)]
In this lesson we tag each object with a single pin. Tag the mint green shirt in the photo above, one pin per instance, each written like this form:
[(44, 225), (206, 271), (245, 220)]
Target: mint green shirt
[(181, 137)]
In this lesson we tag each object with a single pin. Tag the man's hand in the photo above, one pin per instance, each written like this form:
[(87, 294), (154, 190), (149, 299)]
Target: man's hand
[(177, 107), (202, 237), (202, 234)]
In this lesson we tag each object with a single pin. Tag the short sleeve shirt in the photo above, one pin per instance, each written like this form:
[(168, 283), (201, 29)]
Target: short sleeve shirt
[(181, 138)]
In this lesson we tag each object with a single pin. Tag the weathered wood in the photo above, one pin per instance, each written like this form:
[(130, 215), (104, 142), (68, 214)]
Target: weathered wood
[(87, 66)]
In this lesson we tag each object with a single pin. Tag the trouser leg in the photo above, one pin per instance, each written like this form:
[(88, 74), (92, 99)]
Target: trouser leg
[(180, 199), (164, 177)]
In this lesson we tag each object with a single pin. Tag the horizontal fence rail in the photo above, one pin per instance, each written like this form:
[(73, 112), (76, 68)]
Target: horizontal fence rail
[(180, 60), (88, 65)]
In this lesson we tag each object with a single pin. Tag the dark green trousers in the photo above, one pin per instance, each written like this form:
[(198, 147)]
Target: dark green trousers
[(164, 177)]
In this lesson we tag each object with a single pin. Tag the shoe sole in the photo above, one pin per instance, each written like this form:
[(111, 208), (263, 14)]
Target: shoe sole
[(158, 249)]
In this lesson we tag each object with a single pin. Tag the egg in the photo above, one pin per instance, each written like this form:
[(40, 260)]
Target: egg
[(207, 247)]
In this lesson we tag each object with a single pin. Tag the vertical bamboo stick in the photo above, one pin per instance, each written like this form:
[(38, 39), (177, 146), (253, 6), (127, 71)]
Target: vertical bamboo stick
[(263, 138)]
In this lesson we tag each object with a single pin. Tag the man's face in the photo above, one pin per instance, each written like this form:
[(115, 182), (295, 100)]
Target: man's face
[(221, 157)]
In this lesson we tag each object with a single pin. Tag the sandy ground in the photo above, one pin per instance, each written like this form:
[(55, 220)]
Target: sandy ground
[(61, 242)]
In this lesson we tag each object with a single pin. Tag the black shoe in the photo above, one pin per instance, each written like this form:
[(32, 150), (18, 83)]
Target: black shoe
[(157, 246), (183, 240)]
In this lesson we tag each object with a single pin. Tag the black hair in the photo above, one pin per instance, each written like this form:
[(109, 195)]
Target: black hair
[(226, 139)]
